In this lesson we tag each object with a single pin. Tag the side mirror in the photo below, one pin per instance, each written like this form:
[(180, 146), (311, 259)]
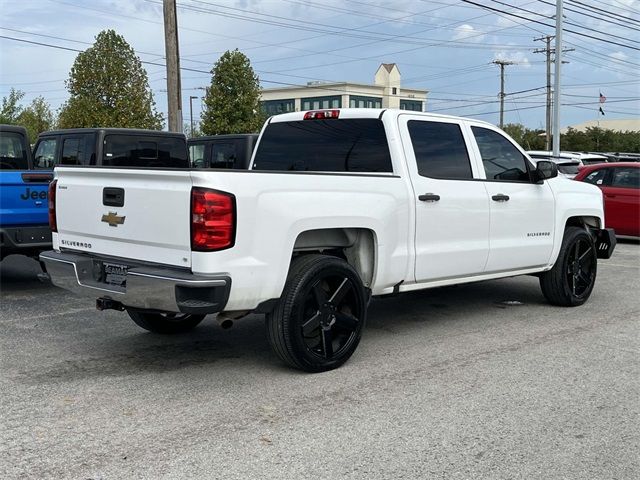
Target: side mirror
[(545, 170)]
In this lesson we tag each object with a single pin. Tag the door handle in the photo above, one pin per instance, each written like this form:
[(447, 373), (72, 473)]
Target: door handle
[(429, 197), (501, 197), (608, 195)]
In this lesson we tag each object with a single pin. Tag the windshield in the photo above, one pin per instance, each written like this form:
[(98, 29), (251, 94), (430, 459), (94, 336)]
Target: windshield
[(12, 153), (145, 151), (568, 168)]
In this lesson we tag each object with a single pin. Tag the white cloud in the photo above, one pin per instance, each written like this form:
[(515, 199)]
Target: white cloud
[(619, 56), (518, 58), (467, 32)]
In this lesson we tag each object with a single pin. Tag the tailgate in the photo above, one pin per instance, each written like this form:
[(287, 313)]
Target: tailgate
[(126, 213), (23, 198)]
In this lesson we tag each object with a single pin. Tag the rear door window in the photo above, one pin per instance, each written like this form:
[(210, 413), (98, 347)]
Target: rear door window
[(626, 177), (440, 150), (502, 161), (336, 145), (44, 156), (138, 151), (74, 151), (223, 155), (12, 153)]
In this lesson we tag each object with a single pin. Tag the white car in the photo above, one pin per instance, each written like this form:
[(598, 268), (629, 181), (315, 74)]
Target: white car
[(568, 162), (339, 205)]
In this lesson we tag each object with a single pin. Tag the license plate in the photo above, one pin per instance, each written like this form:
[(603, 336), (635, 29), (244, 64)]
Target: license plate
[(115, 274)]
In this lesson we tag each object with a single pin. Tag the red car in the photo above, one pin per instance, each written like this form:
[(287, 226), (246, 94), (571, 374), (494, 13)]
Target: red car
[(620, 185)]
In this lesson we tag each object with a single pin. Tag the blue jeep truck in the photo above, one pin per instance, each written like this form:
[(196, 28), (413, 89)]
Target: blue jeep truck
[(24, 219)]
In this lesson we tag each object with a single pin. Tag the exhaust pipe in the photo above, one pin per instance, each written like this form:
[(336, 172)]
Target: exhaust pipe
[(225, 322), (104, 303), (226, 319)]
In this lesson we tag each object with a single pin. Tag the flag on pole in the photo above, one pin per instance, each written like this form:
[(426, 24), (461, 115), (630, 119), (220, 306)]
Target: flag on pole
[(602, 98), (601, 111)]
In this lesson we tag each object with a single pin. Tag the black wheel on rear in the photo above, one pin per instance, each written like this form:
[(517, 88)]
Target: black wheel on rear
[(570, 282), (165, 323), (319, 319)]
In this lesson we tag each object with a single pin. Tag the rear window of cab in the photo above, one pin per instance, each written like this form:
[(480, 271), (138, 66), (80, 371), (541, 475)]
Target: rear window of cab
[(333, 145)]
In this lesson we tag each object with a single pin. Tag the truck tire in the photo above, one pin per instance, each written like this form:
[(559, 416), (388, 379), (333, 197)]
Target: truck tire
[(570, 282), (165, 323), (318, 321)]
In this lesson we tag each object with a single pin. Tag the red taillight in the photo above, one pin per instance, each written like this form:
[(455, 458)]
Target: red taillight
[(213, 223), (321, 114), (52, 206)]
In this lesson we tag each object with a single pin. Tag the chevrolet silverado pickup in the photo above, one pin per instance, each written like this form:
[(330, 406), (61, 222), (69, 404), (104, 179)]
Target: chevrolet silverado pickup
[(338, 206)]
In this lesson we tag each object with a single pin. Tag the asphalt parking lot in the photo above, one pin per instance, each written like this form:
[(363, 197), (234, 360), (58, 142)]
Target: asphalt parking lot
[(477, 381)]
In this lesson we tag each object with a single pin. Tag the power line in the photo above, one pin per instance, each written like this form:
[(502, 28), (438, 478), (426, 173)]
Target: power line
[(550, 26), (613, 19), (566, 22)]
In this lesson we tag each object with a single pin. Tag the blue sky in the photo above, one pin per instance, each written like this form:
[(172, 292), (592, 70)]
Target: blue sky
[(444, 46)]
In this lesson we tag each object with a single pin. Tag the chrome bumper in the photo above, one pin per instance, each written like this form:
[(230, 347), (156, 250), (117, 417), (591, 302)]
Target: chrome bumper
[(147, 287)]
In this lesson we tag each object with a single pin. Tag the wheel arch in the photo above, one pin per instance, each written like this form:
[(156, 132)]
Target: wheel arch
[(357, 246)]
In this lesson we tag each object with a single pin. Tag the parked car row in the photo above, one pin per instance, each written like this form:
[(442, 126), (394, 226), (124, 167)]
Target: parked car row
[(24, 177)]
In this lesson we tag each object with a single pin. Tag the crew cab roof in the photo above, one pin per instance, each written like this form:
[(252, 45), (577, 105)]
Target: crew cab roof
[(13, 129), (368, 113), (125, 131)]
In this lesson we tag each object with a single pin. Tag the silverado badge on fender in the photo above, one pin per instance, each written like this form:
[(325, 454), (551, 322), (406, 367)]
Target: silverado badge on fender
[(113, 219)]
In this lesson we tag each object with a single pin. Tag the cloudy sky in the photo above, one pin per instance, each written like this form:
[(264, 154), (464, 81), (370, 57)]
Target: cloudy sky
[(446, 47)]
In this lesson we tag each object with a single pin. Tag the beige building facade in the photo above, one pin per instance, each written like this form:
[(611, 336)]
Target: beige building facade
[(386, 92)]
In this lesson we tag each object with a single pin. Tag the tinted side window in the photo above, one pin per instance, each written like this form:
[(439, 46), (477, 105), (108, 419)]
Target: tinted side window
[(350, 145), (501, 159), (626, 177), (72, 151), (45, 154), (223, 155), (196, 155), (138, 151), (12, 153), (597, 177), (440, 150)]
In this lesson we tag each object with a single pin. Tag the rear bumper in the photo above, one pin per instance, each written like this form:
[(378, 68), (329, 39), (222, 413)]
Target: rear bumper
[(605, 242), (147, 287), (25, 240)]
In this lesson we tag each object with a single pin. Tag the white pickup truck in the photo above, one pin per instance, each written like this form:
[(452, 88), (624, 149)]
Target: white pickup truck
[(338, 205)]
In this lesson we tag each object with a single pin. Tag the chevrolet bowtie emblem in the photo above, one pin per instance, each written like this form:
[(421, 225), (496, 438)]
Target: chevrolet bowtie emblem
[(113, 219)]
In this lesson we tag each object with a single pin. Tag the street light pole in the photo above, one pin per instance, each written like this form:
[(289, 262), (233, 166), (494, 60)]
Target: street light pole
[(191, 113)]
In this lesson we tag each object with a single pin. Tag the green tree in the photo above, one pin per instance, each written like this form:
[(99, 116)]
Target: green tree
[(11, 107), (232, 101), (36, 118), (527, 138), (108, 87)]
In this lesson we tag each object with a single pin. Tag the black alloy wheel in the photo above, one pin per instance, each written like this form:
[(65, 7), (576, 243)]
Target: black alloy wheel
[(581, 267), (570, 281), (318, 322)]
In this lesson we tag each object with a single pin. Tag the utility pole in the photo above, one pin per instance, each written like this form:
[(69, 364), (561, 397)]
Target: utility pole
[(548, 51), (502, 64), (556, 81), (172, 53), (191, 97)]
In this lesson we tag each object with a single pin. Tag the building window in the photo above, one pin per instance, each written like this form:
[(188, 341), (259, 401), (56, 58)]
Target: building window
[(364, 102), (413, 105), (275, 107), (394, 91), (314, 103)]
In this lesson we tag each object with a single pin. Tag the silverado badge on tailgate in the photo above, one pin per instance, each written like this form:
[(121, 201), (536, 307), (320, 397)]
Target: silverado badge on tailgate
[(113, 219)]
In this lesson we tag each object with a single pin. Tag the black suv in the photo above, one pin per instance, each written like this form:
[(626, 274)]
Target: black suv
[(111, 147)]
